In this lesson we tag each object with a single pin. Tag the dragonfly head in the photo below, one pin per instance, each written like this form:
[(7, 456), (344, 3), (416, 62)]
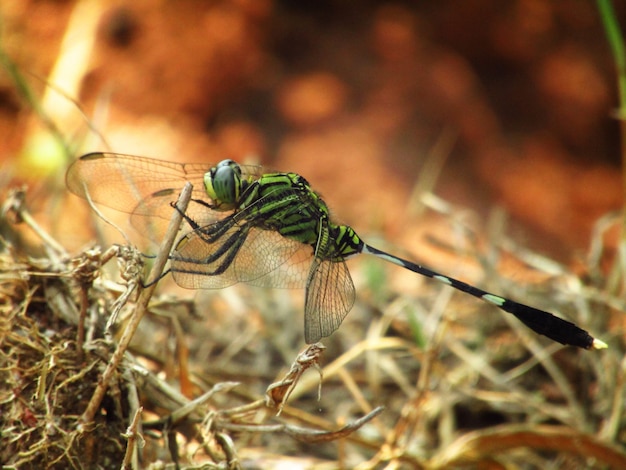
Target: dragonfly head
[(223, 184)]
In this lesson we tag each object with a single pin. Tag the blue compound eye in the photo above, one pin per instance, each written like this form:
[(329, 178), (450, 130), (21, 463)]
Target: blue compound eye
[(223, 182)]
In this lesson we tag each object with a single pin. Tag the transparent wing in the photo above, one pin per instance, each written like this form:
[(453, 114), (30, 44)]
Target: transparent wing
[(245, 247), (240, 254), (329, 297), (144, 187), (292, 273)]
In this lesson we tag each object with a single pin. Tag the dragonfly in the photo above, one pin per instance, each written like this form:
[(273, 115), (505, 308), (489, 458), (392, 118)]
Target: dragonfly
[(267, 229)]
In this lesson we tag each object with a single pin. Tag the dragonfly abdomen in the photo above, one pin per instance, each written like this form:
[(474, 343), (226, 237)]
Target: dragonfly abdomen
[(338, 242)]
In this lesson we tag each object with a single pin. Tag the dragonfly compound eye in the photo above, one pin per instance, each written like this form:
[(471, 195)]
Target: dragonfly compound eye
[(223, 182)]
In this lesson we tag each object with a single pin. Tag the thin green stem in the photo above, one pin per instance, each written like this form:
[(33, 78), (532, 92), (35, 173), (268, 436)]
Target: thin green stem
[(26, 93), (616, 42)]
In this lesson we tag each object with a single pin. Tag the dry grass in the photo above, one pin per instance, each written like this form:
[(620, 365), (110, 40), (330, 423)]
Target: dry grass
[(470, 392)]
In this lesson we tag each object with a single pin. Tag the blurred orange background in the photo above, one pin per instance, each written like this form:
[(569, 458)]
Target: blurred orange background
[(513, 99)]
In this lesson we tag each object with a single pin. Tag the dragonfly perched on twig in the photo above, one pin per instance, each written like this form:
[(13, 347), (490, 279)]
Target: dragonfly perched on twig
[(263, 228)]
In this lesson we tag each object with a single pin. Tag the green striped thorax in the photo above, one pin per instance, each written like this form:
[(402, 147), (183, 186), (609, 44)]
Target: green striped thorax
[(288, 206)]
